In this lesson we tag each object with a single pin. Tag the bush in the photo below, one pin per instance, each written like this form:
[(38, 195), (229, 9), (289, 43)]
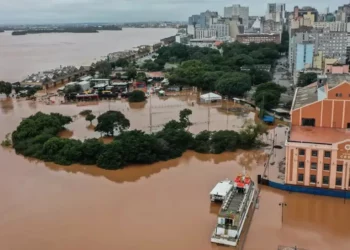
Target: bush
[(85, 112), (137, 96)]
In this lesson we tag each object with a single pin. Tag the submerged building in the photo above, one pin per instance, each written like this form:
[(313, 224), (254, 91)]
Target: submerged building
[(318, 145)]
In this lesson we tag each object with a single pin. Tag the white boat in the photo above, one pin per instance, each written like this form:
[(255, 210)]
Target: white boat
[(234, 211), (221, 190)]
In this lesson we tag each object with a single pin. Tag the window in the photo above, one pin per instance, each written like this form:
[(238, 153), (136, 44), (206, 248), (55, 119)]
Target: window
[(326, 167), (301, 151), (338, 181), (338, 94), (348, 125), (325, 180), (314, 153), (313, 165), (301, 164), (327, 154), (301, 177), (339, 168), (308, 122), (313, 178)]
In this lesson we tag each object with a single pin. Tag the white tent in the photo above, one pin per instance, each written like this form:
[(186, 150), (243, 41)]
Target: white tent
[(210, 97)]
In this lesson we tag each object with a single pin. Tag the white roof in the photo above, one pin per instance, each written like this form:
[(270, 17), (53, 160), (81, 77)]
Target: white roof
[(211, 96), (101, 85), (86, 78), (222, 188), (83, 83), (71, 83), (119, 84)]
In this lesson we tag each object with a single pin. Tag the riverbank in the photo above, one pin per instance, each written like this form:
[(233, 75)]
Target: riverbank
[(66, 29), (49, 51)]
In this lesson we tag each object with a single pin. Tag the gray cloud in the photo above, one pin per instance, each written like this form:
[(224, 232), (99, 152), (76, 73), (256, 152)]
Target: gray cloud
[(63, 11)]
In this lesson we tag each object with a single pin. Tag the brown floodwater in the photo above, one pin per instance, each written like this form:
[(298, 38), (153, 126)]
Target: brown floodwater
[(150, 207)]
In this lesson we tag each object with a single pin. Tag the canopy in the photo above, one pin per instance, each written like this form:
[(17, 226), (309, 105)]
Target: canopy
[(210, 97)]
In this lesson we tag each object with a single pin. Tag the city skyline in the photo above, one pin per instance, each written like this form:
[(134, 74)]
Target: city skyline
[(67, 11)]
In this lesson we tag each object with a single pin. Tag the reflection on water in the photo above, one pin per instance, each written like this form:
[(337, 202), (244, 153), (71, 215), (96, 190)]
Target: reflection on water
[(6, 104), (151, 207)]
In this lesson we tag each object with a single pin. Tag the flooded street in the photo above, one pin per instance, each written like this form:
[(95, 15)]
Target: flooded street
[(150, 207)]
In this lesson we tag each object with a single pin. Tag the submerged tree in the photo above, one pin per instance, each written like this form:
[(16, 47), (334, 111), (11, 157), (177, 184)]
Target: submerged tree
[(112, 121), (90, 117)]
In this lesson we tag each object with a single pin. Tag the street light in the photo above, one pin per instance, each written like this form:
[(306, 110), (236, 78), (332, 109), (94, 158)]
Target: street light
[(282, 204)]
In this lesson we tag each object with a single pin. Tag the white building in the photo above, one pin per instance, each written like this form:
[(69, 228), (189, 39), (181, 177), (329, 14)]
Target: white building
[(205, 33), (238, 10), (276, 12), (222, 29), (333, 26)]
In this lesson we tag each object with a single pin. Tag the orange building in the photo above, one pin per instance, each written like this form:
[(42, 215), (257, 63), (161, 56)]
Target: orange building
[(318, 145)]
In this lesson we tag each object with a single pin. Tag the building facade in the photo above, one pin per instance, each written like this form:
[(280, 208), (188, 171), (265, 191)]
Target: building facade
[(304, 56), (333, 26), (297, 36), (222, 29), (259, 38), (205, 33), (276, 12), (331, 43), (238, 10), (318, 145), (270, 26)]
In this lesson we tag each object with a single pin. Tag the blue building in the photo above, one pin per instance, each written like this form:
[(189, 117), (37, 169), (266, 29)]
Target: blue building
[(304, 55)]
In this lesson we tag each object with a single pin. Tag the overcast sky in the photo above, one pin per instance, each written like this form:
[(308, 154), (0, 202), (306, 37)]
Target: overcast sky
[(64, 11)]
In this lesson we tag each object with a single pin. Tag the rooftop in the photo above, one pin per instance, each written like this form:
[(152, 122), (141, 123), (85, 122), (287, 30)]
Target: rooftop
[(222, 188), (318, 135), (308, 94)]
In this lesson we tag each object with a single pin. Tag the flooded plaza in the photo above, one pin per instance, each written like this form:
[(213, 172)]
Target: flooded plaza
[(160, 206)]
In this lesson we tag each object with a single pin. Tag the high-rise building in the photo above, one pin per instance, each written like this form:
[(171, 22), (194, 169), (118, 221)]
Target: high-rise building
[(276, 12), (304, 55), (222, 29), (201, 21), (238, 10), (270, 26), (331, 43), (297, 36), (304, 58)]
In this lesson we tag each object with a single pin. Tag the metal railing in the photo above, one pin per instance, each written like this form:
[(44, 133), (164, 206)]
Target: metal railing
[(290, 248)]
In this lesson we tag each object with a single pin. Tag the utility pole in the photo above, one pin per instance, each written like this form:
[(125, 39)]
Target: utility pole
[(209, 111), (227, 113), (150, 113), (282, 204)]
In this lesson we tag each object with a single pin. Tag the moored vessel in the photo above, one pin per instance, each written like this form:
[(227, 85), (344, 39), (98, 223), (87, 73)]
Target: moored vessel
[(221, 190), (234, 211)]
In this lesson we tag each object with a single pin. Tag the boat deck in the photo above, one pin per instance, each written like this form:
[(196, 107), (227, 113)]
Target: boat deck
[(232, 204)]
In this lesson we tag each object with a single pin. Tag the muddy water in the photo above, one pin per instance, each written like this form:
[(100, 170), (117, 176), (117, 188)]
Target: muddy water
[(160, 206)]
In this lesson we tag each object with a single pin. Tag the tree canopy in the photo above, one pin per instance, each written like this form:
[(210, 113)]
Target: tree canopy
[(5, 88), (267, 95), (137, 96), (112, 121), (209, 69), (306, 79), (234, 84), (36, 136)]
